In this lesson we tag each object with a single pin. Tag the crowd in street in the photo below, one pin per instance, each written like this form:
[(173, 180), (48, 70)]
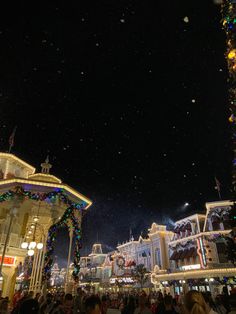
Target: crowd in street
[(193, 302)]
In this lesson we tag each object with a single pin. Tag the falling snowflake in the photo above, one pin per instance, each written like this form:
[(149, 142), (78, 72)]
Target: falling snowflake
[(122, 20), (193, 100), (186, 19)]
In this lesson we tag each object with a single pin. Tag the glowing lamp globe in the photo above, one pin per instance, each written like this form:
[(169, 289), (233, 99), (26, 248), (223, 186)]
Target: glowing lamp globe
[(24, 245), (39, 246), (232, 54), (31, 252), (32, 245)]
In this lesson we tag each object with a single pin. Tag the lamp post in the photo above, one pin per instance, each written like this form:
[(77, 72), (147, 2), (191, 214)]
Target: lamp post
[(13, 213), (69, 257)]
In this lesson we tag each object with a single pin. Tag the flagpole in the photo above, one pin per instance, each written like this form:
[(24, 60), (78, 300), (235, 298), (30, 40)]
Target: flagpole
[(11, 139), (10, 147), (218, 188)]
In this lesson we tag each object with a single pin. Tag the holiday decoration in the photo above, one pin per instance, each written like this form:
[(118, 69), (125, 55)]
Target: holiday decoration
[(120, 261), (228, 10), (68, 216)]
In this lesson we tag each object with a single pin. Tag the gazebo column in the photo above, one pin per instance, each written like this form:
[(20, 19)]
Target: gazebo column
[(38, 263), (69, 257)]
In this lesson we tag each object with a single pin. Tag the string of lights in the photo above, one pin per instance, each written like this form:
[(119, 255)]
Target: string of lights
[(228, 10)]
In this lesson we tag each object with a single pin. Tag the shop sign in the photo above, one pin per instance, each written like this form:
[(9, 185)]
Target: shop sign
[(121, 280), (190, 267), (8, 260)]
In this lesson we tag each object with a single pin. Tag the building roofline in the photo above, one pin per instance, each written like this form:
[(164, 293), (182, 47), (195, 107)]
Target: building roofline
[(50, 185), (127, 243), (156, 224), (45, 175), (17, 159), (218, 203), (189, 217)]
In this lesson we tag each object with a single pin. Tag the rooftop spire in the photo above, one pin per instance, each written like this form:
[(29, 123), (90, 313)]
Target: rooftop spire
[(46, 166)]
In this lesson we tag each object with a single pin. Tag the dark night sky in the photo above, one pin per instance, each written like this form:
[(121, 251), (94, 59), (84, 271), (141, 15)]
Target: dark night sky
[(129, 101)]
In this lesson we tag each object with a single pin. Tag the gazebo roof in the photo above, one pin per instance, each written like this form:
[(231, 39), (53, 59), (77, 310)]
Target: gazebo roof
[(45, 177), (18, 161)]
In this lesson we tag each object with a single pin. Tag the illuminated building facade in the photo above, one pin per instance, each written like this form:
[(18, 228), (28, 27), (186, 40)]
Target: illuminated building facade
[(198, 251), (193, 255)]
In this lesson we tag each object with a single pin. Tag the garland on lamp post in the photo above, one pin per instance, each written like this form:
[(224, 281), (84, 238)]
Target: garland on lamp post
[(69, 215)]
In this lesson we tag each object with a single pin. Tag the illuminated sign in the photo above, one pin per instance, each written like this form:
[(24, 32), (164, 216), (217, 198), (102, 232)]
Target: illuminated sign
[(190, 267), (8, 260), (201, 252), (122, 280)]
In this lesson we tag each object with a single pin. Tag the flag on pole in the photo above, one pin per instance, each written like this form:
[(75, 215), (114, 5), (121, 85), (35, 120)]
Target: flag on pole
[(12, 139), (217, 187)]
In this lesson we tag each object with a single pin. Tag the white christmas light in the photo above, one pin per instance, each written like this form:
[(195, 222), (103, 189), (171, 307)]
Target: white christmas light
[(32, 245), (36, 219), (31, 252), (39, 246), (24, 245)]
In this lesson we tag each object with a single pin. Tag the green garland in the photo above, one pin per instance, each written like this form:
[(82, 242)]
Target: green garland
[(68, 215)]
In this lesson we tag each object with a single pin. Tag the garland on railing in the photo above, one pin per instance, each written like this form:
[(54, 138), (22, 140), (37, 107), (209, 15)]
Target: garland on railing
[(69, 215)]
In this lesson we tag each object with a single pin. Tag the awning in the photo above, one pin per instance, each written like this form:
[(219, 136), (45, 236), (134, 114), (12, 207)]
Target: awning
[(191, 252), (173, 256), (188, 226), (177, 230), (183, 228), (178, 254), (183, 254)]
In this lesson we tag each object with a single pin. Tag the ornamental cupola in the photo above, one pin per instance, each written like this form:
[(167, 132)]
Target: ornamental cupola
[(45, 175), (46, 166)]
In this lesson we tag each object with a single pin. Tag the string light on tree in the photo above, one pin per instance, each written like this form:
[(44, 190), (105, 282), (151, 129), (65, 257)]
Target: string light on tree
[(228, 10)]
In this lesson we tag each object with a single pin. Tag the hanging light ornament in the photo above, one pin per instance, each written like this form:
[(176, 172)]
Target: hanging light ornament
[(32, 245), (40, 246), (24, 245), (30, 252)]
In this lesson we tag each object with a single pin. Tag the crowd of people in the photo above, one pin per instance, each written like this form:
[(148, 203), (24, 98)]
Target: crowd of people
[(193, 302)]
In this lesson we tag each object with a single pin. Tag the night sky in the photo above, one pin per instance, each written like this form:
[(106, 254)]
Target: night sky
[(128, 98)]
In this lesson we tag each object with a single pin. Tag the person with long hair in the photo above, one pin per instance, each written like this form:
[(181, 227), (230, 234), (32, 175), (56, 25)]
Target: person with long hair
[(194, 303)]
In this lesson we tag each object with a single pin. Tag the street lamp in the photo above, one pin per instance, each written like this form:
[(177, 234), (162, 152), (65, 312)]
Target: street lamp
[(32, 245), (30, 252)]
